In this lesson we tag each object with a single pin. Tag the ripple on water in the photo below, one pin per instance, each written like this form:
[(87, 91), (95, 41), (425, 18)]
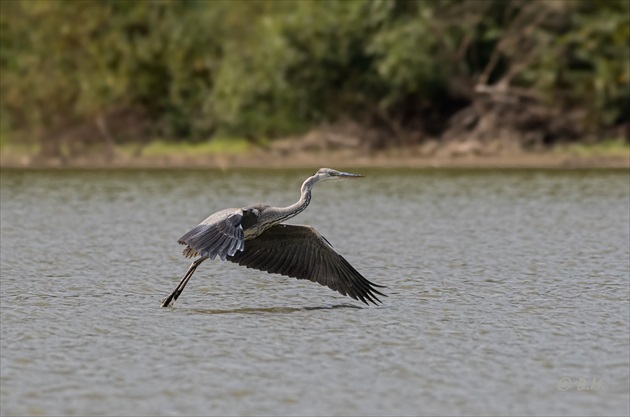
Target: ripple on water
[(501, 285)]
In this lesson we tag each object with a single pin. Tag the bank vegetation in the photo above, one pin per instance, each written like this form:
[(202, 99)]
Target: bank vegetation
[(466, 76)]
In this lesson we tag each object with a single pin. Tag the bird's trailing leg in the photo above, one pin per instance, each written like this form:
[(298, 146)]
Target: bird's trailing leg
[(180, 287)]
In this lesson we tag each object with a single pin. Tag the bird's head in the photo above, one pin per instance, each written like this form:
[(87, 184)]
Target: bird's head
[(327, 174)]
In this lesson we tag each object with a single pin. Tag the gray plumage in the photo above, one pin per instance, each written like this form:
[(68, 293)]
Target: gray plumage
[(254, 237)]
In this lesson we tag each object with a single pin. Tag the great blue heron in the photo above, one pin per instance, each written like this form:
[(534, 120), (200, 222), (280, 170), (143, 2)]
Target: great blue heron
[(254, 237)]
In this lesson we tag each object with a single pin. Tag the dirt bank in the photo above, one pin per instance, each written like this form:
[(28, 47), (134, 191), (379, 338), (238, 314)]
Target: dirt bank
[(341, 158)]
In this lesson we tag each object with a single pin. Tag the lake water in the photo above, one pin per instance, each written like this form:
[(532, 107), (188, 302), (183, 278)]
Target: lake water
[(508, 294)]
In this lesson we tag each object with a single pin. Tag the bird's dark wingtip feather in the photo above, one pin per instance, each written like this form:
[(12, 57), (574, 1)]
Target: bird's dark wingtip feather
[(375, 285)]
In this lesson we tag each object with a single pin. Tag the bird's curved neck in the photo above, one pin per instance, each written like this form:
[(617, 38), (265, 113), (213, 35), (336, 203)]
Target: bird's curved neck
[(285, 213)]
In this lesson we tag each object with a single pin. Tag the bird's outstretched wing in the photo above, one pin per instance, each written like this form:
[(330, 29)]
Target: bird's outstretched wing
[(220, 234), (301, 252)]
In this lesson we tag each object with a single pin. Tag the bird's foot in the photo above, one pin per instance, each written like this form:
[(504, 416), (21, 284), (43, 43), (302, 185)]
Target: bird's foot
[(166, 301)]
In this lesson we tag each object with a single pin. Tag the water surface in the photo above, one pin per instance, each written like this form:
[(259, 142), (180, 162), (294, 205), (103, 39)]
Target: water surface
[(508, 294)]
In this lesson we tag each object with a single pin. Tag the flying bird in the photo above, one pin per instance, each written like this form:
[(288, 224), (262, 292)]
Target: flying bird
[(256, 237)]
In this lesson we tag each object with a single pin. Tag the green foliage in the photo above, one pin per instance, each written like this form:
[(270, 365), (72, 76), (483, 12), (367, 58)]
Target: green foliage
[(272, 68), (65, 61)]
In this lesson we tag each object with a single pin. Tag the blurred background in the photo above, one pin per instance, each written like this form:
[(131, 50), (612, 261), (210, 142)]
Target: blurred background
[(101, 77)]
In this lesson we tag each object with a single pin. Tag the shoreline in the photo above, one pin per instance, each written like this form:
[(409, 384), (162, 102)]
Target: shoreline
[(260, 160)]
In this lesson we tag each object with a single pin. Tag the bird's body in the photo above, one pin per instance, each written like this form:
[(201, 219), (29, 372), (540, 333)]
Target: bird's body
[(255, 237)]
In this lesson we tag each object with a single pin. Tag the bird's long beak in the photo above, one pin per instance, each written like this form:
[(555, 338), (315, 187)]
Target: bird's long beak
[(349, 175)]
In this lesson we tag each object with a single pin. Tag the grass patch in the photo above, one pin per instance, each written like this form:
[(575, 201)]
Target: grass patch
[(223, 146), (9, 148), (611, 147), (229, 146)]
